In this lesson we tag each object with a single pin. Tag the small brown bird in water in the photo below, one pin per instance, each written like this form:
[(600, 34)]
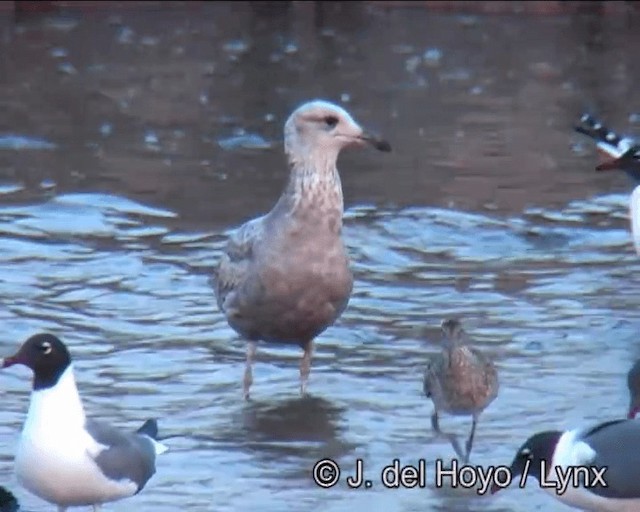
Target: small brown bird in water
[(461, 381), (633, 381)]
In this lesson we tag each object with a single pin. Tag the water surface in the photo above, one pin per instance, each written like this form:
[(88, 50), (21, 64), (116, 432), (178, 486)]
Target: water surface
[(131, 143)]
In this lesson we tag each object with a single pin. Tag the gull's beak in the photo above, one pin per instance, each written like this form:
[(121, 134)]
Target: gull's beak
[(610, 165), (376, 141), (8, 361), (628, 157), (513, 471)]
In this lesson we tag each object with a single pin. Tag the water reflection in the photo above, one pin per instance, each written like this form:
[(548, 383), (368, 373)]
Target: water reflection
[(296, 419)]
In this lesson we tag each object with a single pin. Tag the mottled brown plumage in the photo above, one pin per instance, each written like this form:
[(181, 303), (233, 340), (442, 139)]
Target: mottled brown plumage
[(460, 381), (284, 277)]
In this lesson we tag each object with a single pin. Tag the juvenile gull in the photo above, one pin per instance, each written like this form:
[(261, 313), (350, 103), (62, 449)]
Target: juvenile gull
[(64, 457), (609, 449), (626, 157), (284, 277), (461, 381)]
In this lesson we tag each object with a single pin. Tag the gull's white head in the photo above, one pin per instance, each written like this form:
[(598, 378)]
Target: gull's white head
[(322, 127)]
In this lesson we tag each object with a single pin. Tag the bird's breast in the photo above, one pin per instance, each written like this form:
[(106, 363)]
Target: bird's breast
[(307, 276), (304, 287)]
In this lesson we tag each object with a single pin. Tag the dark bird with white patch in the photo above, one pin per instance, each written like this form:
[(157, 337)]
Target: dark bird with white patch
[(285, 277), (65, 458), (604, 458), (461, 381), (633, 383), (625, 156)]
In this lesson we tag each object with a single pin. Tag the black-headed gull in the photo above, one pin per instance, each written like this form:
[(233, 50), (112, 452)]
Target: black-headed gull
[(595, 468), (625, 156), (65, 458)]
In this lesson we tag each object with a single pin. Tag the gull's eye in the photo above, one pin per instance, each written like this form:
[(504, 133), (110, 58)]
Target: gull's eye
[(331, 121), (45, 347)]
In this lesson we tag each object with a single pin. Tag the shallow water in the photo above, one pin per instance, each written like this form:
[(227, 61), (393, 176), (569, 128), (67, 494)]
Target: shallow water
[(131, 142)]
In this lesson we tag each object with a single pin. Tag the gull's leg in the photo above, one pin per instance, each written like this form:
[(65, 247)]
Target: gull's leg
[(97, 508), (453, 439), (248, 376), (62, 509), (434, 421), (469, 444), (305, 367)]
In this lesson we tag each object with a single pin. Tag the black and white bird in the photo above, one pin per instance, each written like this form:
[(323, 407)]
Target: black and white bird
[(64, 457), (460, 380), (633, 383), (624, 153), (604, 459)]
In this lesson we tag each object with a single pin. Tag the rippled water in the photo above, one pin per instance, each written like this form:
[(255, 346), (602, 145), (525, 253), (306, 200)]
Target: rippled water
[(132, 142)]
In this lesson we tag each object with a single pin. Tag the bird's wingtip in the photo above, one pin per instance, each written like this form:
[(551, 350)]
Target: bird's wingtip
[(581, 129), (159, 447), (149, 428)]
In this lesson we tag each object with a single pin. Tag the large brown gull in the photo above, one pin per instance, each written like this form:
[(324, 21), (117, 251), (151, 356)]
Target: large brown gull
[(284, 277)]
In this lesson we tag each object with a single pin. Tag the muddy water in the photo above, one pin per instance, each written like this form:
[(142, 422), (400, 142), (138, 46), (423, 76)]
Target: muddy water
[(131, 142)]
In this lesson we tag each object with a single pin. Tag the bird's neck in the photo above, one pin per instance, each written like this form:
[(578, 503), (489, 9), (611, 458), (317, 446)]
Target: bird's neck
[(57, 405), (451, 342), (314, 188)]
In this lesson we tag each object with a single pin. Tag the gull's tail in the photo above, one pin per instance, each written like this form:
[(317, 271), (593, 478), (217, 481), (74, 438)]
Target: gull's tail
[(607, 141), (150, 429)]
